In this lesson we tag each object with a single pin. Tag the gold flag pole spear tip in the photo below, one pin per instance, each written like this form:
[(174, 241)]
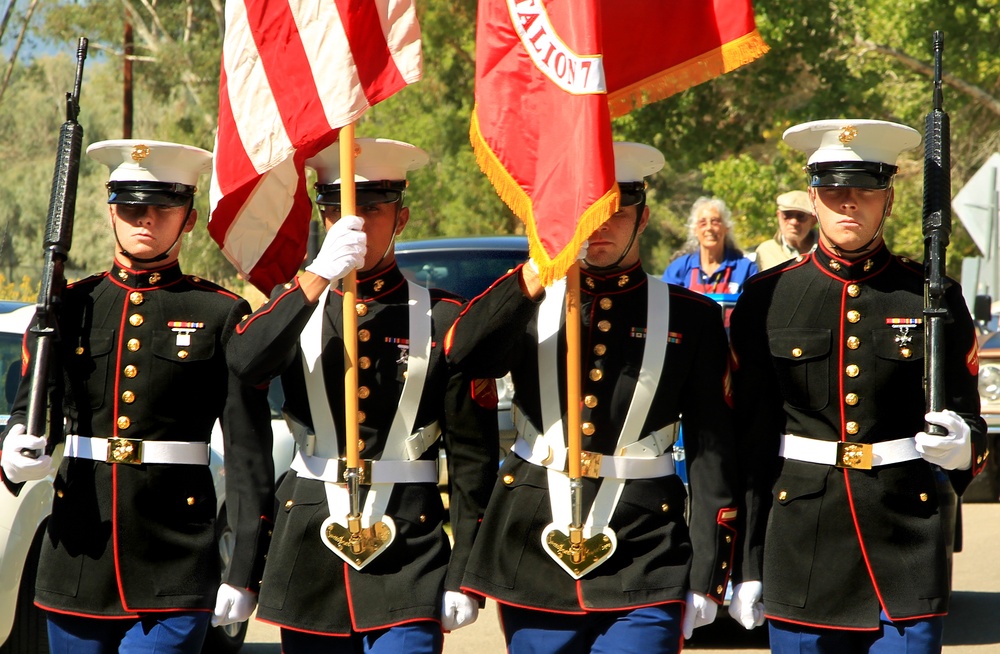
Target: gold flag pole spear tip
[(356, 544)]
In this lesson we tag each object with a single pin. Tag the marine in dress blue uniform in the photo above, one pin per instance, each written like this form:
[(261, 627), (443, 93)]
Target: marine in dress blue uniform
[(139, 378), (844, 522), (665, 569), (399, 600)]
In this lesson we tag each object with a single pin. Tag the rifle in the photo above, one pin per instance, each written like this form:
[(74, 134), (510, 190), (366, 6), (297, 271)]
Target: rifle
[(936, 231), (58, 238)]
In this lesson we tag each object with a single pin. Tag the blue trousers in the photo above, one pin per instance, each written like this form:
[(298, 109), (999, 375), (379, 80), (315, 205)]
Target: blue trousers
[(412, 638), (902, 637), (151, 633), (649, 630)]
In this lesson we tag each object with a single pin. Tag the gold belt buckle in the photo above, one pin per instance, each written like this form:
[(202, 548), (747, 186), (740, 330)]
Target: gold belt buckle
[(125, 450), (364, 471), (590, 464), (857, 456)]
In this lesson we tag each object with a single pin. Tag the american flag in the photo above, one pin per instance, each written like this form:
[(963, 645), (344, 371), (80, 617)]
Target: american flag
[(293, 73)]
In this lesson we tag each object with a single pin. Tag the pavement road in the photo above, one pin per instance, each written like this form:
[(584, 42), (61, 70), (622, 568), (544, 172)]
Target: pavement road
[(972, 627)]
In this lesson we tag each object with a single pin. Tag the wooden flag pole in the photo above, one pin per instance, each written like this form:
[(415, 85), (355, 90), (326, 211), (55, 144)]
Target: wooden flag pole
[(576, 553), (350, 283), (358, 545)]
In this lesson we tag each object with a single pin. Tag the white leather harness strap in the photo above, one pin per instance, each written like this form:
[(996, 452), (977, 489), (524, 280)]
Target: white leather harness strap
[(552, 440), (401, 447)]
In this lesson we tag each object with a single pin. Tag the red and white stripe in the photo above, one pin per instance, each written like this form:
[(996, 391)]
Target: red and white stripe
[(293, 73)]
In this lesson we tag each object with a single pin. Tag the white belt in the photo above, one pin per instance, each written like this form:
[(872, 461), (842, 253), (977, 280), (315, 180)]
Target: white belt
[(373, 471), (860, 456), (644, 459), (136, 451)]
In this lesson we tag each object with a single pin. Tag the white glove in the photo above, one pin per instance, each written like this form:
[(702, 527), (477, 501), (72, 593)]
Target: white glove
[(457, 610), (232, 605), (698, 612), (343, 249), (951, 452), (18, 467), (746, 607)]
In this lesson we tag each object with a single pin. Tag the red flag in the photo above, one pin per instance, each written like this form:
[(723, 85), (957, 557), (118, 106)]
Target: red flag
[(293, 73), (549, 76)]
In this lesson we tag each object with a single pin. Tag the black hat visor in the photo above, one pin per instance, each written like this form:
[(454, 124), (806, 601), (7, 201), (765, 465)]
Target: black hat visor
[(365, 193), (633, 193), (159, 194), (853, 174)]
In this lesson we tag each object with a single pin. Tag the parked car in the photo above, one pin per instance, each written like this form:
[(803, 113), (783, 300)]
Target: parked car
[(23, 518), (467, 267), (986, 486)]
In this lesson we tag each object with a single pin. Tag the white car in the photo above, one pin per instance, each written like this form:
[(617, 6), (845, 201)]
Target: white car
[(23, 518)]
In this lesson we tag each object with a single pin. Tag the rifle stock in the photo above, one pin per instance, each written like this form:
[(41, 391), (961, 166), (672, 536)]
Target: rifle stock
[(58, 239), (937, 232)]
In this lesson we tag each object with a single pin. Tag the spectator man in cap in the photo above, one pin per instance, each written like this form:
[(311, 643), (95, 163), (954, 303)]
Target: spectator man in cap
[(411, 404), (130, 561), (844, 525), (650, 352), (796, 233)]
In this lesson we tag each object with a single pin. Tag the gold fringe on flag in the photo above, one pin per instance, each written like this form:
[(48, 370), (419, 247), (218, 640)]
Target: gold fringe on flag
[(549, 268), (728, 57)]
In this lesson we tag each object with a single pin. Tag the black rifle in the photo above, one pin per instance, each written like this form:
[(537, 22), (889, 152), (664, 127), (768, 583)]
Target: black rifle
[(58, 238), (937, 231)]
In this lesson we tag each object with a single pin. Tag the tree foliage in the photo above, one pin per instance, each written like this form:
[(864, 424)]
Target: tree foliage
[(841, 58)]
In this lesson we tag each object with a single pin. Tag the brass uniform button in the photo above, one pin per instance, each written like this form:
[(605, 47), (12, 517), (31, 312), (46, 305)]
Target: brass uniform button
[(851, 399), (364, 363), (508, 479), (122, 274), (155, 277), (796, 352), (60, 493), (869, 264), (923, 497), (182, 354), (135, 297), (852, 427), (853, 290), (783, 495), (195, 278), (135, 320), (361, 444), (664, 507), (289, 504), (834, 265), (853, 370), (379, 283), (133, 345), (288, 284), (364, 335), (363, 392), (128, 397), (123, 422), (590, 401), (361, 417), (422, 518), (604, 326), (190, 501), (130, 371), (361, 308), (587, 428), (589, 282), (596, 375), (605, 303), (853, 342), (724, 565), (729, 538), (622, 281), (906, 352), (718, 590), (853, 316), (600, 349), (79, 349)]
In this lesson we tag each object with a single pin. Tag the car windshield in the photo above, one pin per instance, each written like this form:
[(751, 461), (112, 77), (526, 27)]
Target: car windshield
[(465, 272)]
